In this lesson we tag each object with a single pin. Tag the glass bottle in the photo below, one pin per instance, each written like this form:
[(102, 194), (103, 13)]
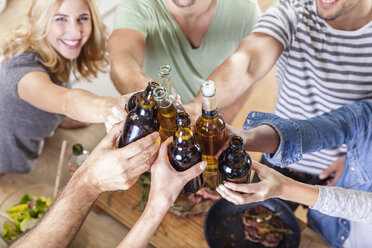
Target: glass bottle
[(136, 97), (234, 164), (77, 157), (166, 114), (141, 121), (184, 152), (210, 128), (166, 82)]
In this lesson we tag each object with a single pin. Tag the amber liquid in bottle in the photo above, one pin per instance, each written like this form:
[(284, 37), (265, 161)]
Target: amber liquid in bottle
[(136, 97), (141, 121), (167, 113), (184, 152), (234, 164), (210, 128)]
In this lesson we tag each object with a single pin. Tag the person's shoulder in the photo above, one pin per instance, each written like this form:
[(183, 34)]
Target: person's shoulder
[(23, 59)]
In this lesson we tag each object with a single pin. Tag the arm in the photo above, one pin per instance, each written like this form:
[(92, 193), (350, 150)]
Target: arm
[(127, 51), (106, 169), (37, 89), (166, 184), (253, 59), (334, 201)]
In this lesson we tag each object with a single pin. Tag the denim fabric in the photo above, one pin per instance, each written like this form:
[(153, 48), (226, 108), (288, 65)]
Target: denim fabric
[(350, 125)]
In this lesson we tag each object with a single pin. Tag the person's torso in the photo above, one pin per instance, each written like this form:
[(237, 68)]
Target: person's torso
[(321, 69), (24, 126), (166, 43)]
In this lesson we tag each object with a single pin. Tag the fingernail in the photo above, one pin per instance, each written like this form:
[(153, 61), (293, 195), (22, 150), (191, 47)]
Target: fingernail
[(321, 176), (203, 165)]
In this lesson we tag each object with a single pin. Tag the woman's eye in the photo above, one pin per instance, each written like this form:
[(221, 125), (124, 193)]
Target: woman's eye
[(83, 18), (60, 19)]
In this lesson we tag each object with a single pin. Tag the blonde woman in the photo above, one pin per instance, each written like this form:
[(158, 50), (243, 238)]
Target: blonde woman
[(61, 37)]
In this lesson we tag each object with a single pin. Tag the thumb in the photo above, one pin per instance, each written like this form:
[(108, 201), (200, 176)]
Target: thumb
[(110, 139), (194, 171)]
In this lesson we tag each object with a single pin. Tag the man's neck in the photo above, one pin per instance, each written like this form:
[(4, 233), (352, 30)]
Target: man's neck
[(194, 20), (354, 19)]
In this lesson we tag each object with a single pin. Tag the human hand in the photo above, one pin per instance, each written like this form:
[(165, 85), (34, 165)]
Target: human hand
[(113, 111), (271, 185), (334, 171), (166, 182), (231, 131), (193, 109), (109, 169)]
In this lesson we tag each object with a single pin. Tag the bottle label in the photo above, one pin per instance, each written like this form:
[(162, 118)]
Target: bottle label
[(209, 103)]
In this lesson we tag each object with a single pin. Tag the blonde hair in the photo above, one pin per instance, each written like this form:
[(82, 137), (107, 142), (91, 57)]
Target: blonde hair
[(31, 36)]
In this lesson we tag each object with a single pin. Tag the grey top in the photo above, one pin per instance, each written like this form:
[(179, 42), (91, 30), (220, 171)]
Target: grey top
[(23, 126), (349, 204)]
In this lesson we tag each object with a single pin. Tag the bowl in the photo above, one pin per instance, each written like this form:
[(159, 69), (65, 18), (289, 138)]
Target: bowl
[(36, 190), (223, 225)]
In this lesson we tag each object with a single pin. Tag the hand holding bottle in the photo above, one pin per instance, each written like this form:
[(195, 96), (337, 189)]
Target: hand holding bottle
[(109, 169), (271, 185), (166, 183), (113, 110)]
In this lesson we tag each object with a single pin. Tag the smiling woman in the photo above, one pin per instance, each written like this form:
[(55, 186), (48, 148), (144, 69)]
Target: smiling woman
[(59, 38)]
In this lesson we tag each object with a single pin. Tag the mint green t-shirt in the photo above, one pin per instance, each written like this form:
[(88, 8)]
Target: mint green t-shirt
[(166, 43)]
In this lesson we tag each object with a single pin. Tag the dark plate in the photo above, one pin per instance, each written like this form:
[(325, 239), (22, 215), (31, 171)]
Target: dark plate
[(223, 225)]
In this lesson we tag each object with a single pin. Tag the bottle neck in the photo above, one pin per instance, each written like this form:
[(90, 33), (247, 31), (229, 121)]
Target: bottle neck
[(184, 137), (209, 106)]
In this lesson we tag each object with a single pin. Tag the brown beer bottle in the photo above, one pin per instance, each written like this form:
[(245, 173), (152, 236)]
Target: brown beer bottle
[(166, 114), (234, 164), (141, 121), (210, 128), (184, 152), (136, 97)]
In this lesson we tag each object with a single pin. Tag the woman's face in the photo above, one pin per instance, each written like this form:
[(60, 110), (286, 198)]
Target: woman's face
[(71, 28)]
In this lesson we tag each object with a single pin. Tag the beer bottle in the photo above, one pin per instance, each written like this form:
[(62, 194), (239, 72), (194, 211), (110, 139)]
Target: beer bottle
[(184, 152), (166, 114), (166, 82), (136, 97), (234, 164), (141, 121), (210, 128)]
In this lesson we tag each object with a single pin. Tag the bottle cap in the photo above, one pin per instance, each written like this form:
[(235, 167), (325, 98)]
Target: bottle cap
[(183, 119), (77, 149), (208, 88), (236, 143)]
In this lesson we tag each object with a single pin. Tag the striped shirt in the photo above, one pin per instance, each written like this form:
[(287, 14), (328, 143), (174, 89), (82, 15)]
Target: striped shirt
[(320, 68)]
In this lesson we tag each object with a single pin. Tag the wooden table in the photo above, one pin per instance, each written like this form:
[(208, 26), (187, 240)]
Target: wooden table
[(173, 231)]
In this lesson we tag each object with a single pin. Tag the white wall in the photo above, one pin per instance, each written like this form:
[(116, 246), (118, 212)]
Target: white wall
[(102, 85)]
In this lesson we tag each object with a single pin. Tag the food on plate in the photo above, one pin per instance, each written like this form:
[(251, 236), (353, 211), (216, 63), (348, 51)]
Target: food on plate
[(261, 225), (25, 214)]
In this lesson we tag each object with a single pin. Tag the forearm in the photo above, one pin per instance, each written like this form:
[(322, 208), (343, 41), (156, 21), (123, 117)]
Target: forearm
[(262, 138), (345, 203), (145, 227), (84, 106), (292, 190), (127, 74), (60, 224)]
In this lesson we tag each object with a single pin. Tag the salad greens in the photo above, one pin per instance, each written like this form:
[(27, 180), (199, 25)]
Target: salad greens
[(25, 215)]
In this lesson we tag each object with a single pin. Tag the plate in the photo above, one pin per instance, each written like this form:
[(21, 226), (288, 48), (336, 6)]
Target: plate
[(37, 190), (223, 225)]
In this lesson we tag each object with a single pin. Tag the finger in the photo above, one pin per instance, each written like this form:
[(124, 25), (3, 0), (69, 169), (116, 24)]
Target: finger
[(138, 170), (243, 187), (234, 197), (144, 156), (194, 171), (139, 146), (110, 139)]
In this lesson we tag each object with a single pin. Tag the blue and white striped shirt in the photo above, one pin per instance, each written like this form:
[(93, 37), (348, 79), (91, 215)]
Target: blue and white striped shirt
[(320, 69)]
